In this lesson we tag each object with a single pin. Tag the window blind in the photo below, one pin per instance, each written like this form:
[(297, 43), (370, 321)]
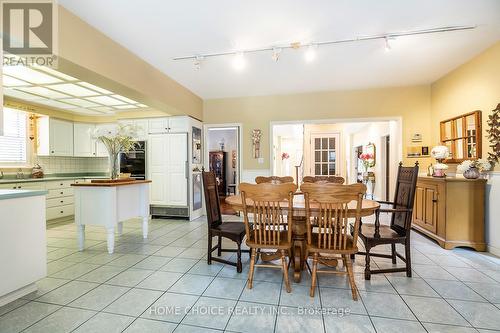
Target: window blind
[(13, 142)]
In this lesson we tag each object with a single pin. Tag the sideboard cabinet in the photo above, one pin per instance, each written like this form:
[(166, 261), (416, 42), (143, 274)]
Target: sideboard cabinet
[(451, 211)]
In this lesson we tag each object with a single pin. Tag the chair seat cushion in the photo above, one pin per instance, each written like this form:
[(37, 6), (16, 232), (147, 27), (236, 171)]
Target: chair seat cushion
[(235, 229), (385, 231)]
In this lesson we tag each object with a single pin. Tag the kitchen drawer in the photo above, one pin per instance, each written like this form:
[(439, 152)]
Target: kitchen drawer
[(8, 186), (59, 184), (31, 186), (63, 192), (55, 202), (61, 211), (79, 181)]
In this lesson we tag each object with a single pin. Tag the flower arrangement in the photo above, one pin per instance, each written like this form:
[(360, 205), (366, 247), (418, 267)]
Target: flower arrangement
[(367, 160), (116, 140), (481, 165), (285, 156)]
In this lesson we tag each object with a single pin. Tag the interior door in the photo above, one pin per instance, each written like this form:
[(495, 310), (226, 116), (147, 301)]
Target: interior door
[(157, 161), (325, 152), (177, 166)]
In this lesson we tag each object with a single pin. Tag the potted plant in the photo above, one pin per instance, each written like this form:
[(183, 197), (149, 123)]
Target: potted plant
[(473, 169), (117, 140)]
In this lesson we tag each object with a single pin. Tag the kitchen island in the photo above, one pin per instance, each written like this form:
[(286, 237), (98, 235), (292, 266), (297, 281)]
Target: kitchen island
[(23, 244), (109, 203)]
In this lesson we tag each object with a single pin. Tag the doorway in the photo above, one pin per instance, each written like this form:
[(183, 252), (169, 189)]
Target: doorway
[(386, 158), (222, 156)]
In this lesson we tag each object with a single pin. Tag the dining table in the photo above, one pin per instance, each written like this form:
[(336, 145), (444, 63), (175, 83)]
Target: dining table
[(299, 226)]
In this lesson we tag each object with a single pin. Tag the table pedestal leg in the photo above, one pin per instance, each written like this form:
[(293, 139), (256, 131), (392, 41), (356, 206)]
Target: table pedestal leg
[(299, 243), (111, 239), (145, 221), (81, 236)]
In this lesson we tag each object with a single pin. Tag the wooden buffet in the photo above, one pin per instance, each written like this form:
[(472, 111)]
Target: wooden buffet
[(451, 211)]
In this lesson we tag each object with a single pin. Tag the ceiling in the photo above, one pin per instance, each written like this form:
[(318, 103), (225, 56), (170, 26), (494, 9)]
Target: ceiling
[(48, 87), (158, 31)]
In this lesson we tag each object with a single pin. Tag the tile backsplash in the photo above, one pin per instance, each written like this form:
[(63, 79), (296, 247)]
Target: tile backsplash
[(53, 164)]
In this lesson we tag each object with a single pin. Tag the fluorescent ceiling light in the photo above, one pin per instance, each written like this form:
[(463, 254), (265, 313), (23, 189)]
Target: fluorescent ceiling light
[(56, 104), (55, 73), (30, 75), (128, 106), (79, 102), (9, 81), (47, 93), (21, 95), (106, 100), (73, 89), (96, 88), (106, 109), (142, 105), (87, 112), (125, 99)]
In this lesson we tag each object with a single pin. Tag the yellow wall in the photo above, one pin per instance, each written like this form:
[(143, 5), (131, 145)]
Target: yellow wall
[(412, 104), (473, 86)]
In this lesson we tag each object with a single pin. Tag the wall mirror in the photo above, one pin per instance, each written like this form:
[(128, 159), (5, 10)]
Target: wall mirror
[(370, 149), (462, 136)]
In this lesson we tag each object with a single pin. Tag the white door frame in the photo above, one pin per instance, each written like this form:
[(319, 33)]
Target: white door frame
[(239, 159), (398, 140)]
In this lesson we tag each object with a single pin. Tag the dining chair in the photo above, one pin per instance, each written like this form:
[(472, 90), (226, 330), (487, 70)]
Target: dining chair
[(399, 230), (323, 179), (274, 179), (234, 231), (270, 206), (329, 237)]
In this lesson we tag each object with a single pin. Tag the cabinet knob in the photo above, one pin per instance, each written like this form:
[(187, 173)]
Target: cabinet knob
[(62, 192), (52, 152), (19, 187), (62, 201), (434, 200), (62, 211)]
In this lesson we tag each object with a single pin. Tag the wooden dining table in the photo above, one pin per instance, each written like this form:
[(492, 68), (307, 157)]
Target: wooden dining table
[(299, 231)]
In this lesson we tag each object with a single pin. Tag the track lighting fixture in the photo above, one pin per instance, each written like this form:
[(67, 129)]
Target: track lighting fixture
[(387, 44), (197, 62), (276, 53)]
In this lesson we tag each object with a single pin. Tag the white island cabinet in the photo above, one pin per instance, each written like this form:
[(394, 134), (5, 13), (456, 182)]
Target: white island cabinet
[(108, 204), (23, 244)]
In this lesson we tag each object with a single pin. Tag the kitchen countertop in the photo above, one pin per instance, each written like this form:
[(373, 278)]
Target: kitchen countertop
[(12, 194), (112, 184), (51, 178)]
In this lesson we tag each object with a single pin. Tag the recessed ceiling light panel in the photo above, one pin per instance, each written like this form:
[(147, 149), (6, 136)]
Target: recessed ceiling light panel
[(73, 89), (80, 102), (27, 74), (9, 81), (125, 99), (106, 100), (96, 88), (55, 73), (21, 95), (44, 92)]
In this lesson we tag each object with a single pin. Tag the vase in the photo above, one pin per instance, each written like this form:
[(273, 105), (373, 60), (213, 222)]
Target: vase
[(114, 166), (472, 173)]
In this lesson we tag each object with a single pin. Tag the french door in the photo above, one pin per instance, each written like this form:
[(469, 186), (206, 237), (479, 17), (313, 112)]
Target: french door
[(325, 149)]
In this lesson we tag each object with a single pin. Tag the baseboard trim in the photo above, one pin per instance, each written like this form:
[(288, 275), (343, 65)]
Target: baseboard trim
[(493, 250), (16, 294)]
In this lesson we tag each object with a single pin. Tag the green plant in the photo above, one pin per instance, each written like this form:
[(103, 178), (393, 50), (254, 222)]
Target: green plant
[(494, 135)]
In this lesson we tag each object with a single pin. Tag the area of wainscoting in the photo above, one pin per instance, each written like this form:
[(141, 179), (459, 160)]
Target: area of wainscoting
[(492, 213)]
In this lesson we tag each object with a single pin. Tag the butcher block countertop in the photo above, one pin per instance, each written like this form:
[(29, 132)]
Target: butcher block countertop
[(111, 183)]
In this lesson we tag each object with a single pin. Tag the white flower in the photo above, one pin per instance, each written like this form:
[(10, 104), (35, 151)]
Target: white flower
[(464, 166), (440, 166)]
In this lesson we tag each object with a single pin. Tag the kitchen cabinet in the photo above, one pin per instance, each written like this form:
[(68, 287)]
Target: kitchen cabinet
[(451, 211), (101, 150), (168, 169), (141, 126), (83, 141), (168, 125), (55, 137)]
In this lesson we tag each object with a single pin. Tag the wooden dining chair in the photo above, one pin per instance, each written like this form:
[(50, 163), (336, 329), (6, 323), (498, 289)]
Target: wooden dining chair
[(398, 232), (274, 179), (271, 207), (234, 231), (329, 237), (323, 179)]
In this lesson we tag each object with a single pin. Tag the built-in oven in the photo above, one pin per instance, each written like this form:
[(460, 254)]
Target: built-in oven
[(134, 162)]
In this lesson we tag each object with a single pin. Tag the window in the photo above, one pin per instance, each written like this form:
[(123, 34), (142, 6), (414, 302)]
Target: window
[(13, 145), (325, 150)]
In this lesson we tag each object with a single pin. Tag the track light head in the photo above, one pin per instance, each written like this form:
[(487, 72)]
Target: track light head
[(197, 62), (387, 43), (276, 53)]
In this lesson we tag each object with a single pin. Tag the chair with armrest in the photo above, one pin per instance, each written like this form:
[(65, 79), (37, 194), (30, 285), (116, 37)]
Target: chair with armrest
[(323, 179), (398, 232)]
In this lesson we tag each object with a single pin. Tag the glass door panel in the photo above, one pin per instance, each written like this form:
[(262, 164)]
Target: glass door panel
[(325, 148)]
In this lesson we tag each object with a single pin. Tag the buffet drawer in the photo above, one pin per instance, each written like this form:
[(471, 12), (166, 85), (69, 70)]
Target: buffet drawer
[(54, 202), (63, 192), (61, 211)]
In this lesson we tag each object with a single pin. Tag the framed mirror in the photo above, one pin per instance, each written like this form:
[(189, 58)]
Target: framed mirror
[(370, 149), (462, 136)]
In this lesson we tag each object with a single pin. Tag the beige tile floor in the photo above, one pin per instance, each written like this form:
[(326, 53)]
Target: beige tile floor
[(163, 284)]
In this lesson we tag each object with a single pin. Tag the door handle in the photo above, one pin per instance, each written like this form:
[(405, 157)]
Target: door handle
[(186, 170)]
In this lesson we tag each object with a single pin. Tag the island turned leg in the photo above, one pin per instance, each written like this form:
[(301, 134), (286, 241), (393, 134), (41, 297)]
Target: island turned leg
[(120, 228), (111, 239), (81, 236), (145, 221)]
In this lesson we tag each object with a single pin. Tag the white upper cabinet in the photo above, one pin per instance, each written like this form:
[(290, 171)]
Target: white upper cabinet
[(84, 143), (168, 125), (55, 137), (101, 150), (141, 126)]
